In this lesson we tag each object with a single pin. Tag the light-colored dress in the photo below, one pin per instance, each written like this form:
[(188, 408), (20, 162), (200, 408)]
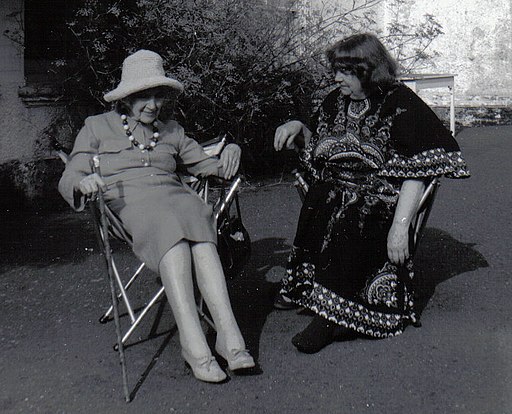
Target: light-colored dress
[(143, 187)]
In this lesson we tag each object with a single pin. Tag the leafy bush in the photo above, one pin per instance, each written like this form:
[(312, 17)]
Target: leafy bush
[(246, 66), (411, 44), (30, 185)]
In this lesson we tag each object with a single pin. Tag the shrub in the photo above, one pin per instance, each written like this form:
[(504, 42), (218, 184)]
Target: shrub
[(246, 66)]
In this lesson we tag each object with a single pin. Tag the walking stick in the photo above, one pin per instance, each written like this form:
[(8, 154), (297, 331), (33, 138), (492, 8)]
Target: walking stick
[(108, 258)]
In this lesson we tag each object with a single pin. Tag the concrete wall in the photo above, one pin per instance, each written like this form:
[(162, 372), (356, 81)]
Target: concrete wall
[(476, 46), (21, 126)]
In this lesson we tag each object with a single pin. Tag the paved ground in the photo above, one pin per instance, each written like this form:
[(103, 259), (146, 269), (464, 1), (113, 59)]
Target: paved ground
[(56, 358)]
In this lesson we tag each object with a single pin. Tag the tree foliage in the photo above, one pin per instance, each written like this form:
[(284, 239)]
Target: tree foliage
[(246, 66)]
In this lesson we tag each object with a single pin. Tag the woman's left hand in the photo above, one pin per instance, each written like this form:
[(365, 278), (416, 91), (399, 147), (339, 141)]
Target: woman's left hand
[(398, 243), (230, 160)]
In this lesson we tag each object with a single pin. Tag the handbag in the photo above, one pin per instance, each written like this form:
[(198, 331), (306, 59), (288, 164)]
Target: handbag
[(233, 242)]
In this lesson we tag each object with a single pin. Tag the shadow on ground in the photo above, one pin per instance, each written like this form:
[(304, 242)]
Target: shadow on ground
[(439, 258), (41, 240), (252, 293)]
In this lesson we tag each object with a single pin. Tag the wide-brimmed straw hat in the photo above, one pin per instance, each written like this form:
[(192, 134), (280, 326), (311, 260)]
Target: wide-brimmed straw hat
[(142, 70)]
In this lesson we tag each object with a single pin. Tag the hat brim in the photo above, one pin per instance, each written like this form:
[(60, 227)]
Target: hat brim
[(124, 89)]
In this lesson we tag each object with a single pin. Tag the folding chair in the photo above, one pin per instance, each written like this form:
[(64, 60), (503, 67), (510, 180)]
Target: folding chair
[(115, 229)]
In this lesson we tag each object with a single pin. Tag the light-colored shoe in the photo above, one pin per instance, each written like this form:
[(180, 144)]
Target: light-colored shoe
[(205, 368), (236, 358)]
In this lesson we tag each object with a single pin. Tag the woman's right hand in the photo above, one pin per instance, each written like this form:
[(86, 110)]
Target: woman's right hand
[(287, 134), (398, 243), (91, 184)]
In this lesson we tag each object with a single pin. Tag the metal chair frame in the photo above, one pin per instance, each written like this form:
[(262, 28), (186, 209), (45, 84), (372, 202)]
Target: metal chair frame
[(109, 225)]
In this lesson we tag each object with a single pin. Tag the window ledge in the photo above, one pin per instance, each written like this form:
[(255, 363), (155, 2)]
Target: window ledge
[(41, 95)]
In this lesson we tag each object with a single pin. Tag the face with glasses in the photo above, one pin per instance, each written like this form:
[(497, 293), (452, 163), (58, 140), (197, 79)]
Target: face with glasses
[(145, 106), (349, 83)]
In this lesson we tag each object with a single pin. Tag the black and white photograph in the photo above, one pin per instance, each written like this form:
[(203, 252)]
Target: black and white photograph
[(256, 206)]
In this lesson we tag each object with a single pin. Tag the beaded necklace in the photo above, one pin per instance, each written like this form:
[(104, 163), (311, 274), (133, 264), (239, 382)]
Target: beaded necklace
[(129, 134)]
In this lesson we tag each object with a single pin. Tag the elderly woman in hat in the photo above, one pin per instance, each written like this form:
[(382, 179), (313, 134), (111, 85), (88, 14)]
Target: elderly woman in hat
[(173, 230)]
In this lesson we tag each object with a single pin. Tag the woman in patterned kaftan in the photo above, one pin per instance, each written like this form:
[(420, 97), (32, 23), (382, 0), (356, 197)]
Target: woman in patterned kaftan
[(371, 148)]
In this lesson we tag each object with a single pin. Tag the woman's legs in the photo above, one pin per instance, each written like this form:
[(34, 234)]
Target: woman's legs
[(212, 284), (176, 275)]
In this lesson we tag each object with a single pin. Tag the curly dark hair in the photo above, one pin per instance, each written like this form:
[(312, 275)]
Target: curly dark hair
[(367, 58)]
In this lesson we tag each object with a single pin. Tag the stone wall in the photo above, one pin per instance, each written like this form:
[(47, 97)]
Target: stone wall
[(21, 126), (28, 171), (476, 46)]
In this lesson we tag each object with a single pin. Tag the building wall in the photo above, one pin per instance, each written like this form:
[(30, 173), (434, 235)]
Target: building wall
[(21, 126), (476, 46)]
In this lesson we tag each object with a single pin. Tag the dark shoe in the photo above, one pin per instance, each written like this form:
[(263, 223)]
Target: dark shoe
[(282, 302), (317, 335), (342, 334)]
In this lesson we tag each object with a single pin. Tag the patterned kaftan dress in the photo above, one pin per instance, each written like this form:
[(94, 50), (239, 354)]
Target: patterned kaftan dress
[(360, 153)]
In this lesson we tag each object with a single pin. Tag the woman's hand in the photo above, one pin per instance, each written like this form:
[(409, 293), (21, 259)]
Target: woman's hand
[(286, 135), (230, 160), (398, 243), (91, 184), (398, 236)]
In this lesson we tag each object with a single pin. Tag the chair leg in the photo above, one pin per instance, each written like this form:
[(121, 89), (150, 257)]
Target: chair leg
[(106, 316), (143, 313), (120, 347), (203, 315), (108, 257)]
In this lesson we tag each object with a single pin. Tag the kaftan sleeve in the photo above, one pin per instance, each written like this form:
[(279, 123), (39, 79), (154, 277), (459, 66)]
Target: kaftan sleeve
[(318, 125), (78, 166), (324, 115), (421, 147), (192, 157)]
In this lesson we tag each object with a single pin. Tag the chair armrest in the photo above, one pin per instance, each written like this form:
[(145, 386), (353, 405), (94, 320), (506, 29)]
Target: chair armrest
[(230, 194), (428, 194), (301, 185), (215, 146), (63, 156)]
